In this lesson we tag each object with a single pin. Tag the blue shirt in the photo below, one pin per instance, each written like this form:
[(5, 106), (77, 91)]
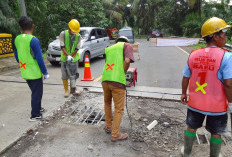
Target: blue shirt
[(37, 54), (224, 72)]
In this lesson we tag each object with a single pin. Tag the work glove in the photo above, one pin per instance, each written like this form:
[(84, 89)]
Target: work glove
[(70, 58), (46, 76)]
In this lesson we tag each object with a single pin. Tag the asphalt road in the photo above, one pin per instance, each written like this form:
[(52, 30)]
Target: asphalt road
[(157, 67)]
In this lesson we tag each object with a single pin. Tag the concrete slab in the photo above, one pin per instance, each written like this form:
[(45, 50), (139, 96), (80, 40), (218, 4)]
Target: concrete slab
[(15, 108), (140, 91), (15, 103)]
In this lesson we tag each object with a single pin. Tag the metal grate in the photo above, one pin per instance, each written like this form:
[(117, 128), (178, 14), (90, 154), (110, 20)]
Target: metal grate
[(87, 114)]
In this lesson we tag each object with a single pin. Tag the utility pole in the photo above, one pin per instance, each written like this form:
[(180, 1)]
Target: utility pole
[(23, 8)]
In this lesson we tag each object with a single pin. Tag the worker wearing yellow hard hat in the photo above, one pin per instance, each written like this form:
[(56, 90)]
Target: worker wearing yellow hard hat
[(213, 25), (74, 26), (208, 77), (70, 44)]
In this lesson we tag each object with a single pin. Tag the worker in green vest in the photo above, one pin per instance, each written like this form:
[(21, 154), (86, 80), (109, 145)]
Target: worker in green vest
[(29, 56), (118, 59), (70, 44)]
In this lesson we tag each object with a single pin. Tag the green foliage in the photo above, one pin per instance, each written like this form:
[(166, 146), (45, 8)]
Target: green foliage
[(192, 25), (8, 17), (198, 46), (170, 16), (51, 19)]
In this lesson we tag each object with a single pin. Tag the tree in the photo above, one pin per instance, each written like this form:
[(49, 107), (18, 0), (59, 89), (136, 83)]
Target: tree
[(9, 14), (170, 16)]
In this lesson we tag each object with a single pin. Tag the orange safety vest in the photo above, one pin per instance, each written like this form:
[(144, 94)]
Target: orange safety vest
[(206, 91)]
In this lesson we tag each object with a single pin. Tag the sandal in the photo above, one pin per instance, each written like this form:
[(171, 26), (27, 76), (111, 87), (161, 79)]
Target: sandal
[(120, 138), (108, 131)]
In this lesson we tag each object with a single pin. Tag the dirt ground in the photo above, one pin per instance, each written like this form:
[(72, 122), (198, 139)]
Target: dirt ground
[(76, 129)]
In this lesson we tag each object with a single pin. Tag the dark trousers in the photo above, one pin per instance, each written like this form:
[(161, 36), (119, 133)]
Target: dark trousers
[(36, 87)]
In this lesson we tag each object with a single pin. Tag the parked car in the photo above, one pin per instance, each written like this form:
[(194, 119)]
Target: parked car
[(94, 41), (112, 33), (155, 33), (128, 32)]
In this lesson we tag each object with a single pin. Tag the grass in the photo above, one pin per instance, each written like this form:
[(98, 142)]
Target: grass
[(198, 46), (44, 55)]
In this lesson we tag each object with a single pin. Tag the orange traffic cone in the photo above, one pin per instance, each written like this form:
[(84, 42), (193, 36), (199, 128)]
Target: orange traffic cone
[(87, 71)]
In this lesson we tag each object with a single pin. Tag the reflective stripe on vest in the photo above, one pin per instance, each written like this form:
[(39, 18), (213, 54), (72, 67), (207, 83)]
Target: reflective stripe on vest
[(29, 67), (206, 91), (68, 48), (113, 69)]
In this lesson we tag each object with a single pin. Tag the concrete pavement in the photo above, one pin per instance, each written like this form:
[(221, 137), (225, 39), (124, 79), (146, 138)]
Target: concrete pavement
[(15, 101)]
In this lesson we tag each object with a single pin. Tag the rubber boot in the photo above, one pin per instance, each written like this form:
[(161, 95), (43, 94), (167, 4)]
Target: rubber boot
[(73, 91), (215, 147), (189, 139), (65, 83)]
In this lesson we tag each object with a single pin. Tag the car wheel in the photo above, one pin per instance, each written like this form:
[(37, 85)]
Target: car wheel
[(54, 63)]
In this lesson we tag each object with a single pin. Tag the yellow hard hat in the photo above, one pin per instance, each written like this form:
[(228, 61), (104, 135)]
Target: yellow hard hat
[(74, 25), (213, 25)]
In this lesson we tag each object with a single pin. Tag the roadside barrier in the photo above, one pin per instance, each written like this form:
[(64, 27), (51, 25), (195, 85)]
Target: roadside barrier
[(136, 49), (6, 46)]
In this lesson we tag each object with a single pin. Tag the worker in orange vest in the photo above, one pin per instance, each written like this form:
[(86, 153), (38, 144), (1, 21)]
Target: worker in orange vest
[(208, 74)]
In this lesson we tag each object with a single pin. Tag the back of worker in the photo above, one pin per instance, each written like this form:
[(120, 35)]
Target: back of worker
[(28, 54), (118, 59)]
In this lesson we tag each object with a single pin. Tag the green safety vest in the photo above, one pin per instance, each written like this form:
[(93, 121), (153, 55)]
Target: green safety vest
[(68, 47), (29, 67), (113, 69)]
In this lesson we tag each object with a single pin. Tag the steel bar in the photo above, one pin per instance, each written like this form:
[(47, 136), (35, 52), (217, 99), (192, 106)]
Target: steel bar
[(89, 114), (95, 117), (101, 118)]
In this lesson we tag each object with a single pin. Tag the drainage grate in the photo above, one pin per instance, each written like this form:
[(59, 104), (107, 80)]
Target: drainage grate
[(87, 114)]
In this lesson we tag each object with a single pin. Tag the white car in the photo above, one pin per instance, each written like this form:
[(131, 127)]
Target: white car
[(94, 41)]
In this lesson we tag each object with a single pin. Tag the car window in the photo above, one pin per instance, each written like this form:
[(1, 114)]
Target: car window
[(104, 33), (84, 34), (93, 33), (127, 33), (156, 31), (99, 33)]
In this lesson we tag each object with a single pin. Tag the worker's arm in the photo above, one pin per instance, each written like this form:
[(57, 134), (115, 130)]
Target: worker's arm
[(185, 83), (62, 45), (16, 55), (129, 57), (227, 75), (126, 64), (228, 89), (77, 47), (64, 51), (36, 48)]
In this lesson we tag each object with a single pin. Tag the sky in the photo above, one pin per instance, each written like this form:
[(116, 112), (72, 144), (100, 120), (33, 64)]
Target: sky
[(219, 1)]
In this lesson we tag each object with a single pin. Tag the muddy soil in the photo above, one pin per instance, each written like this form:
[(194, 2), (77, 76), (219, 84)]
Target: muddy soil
[(71, 131)]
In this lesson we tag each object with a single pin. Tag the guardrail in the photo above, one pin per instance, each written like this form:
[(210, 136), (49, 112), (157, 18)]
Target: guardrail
[(228, 47), (6, 45)]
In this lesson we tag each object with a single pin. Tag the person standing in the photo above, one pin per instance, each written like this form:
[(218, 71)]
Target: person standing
[(70, 44), (208, 74), (118, 59), (29, 56)]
